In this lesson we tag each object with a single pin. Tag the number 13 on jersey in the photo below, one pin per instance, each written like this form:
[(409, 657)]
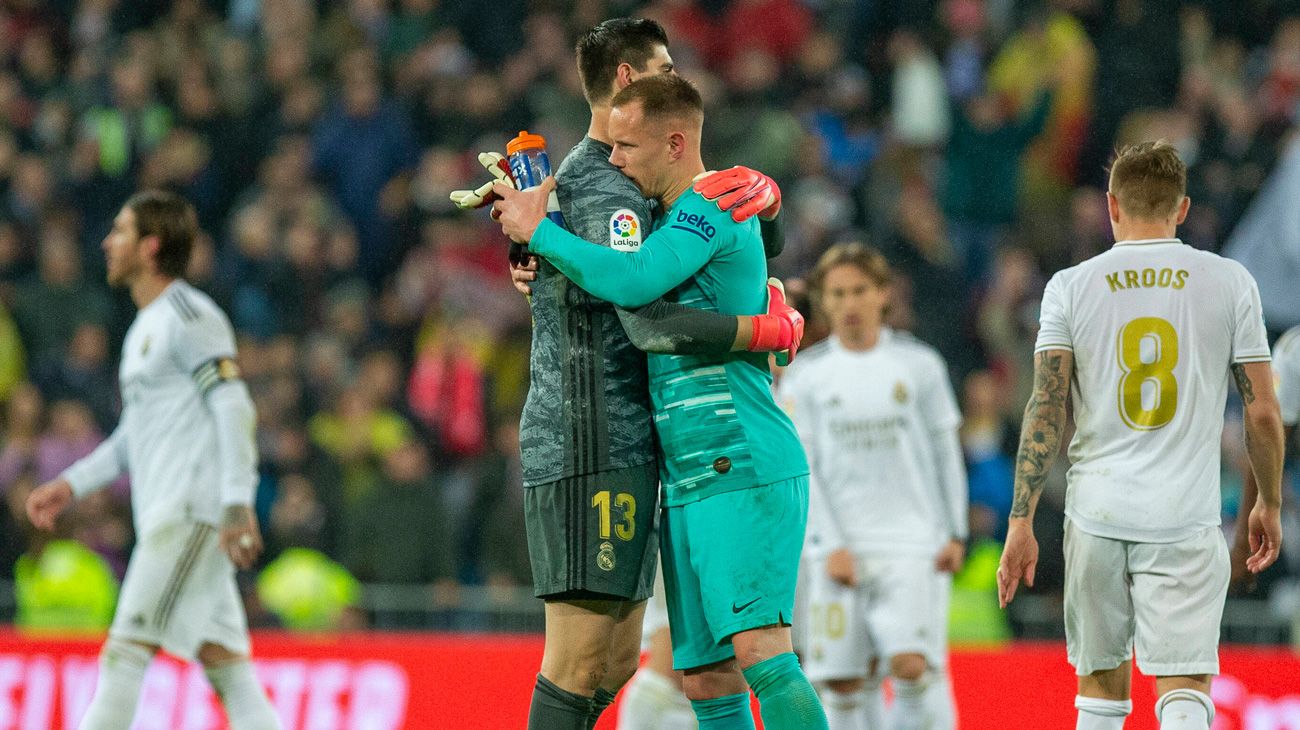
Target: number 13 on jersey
[(1159, 339)]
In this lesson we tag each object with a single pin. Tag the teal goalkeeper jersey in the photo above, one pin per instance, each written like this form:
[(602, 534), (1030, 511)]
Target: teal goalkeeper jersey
[(719, 428)]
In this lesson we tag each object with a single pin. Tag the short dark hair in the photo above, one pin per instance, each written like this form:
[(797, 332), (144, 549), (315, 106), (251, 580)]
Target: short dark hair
[(613, 42), (663, 96), (172, 219), (1149, 179)]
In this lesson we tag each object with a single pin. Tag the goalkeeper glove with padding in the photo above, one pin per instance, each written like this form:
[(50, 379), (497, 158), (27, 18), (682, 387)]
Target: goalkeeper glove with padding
[(742, 191), (780, 330), (483, 195)]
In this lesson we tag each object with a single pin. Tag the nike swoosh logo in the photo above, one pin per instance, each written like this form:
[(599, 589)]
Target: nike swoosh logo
[(743, 606)]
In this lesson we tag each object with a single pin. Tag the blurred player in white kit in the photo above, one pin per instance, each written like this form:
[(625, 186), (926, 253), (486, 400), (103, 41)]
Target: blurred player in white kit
[(653, 698), (186, 439), (887, 518), (1146, 335)]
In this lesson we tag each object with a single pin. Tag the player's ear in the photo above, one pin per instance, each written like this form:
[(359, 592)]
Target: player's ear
[(1112, 207), (1183, 207), (623, 76), (676, 145)]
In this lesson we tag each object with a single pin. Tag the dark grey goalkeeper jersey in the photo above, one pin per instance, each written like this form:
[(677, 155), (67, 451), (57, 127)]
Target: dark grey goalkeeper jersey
[(588, 406)]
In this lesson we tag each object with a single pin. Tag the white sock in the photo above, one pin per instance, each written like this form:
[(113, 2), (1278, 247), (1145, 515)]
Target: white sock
[(939, 703), (909, 712), (1185, 709), (1099, 714), (121, 671), (652, 702), (844, 709), (247, 707), (872, 715)]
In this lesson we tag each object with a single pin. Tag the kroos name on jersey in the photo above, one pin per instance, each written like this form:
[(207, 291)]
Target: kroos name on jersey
[(1147, 279)]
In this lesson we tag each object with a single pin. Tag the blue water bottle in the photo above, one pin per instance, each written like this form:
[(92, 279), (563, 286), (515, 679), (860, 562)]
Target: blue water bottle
[(529, 165)]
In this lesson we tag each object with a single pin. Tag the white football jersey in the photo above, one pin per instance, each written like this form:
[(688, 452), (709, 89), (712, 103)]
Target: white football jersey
[(880, 431), (1154, 326), (166, 439), (1286, 373)]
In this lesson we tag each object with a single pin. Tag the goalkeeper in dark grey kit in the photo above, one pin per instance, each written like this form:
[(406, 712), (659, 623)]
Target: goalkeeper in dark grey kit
[(589, 454)]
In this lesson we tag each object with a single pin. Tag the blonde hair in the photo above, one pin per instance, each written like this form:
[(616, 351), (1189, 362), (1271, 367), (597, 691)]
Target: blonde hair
[(1148, 179)]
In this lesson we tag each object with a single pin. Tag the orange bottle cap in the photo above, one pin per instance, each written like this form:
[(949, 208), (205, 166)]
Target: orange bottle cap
[(525, 141)]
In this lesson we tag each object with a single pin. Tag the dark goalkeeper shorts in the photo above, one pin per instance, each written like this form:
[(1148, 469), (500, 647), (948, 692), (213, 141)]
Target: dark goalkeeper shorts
[(594, 536)]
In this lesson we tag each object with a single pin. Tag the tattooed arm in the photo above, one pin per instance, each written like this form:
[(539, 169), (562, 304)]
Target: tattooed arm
[(1040, 432), (1040, 441), (1265, 445)]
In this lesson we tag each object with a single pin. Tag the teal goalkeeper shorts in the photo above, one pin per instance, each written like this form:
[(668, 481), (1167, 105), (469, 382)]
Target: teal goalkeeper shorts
[(730, 563)]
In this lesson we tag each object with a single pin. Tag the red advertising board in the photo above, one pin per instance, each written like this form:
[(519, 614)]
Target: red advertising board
[(392, 681)]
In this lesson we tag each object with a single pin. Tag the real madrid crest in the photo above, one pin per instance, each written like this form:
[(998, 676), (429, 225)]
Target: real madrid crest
[(900, 392), (605, 558)]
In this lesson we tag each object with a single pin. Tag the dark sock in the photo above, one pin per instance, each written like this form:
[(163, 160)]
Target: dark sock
[(603, 699), (786, 699), (557, 709), (724, 713)]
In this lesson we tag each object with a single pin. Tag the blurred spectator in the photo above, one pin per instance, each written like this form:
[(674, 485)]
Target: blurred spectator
[(83, 374), (24, 420), (986, 145), (13, 357), (989, 441), (405, 508), (920, 99), (50, 307), (363, 150)]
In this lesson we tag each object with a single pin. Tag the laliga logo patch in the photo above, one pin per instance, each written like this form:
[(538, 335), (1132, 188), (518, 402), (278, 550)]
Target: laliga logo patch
[(624, 231)]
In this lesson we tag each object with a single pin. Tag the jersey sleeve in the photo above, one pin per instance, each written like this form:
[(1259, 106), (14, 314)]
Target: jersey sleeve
[(665, 259), (938, 404), (937, 400), (1249, 338), (204, 340), (1286, 369), (1054, 318)]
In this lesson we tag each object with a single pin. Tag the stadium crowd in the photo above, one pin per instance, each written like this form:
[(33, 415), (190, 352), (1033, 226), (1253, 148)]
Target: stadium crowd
[(379, 332)]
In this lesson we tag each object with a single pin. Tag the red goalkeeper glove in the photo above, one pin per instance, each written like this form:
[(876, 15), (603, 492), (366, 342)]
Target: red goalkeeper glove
[(742, 191), (483, 195), (780, 330)]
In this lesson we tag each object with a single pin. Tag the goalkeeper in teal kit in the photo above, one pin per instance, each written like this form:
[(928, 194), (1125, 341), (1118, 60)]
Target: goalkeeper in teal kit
[(735, 477)]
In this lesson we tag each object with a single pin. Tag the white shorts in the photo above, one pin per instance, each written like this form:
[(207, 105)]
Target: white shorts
[(179, 593), (1167, 598), (900, 606)]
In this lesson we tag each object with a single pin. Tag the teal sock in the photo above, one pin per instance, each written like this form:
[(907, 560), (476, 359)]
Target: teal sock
[(724, 713), (786, 699)]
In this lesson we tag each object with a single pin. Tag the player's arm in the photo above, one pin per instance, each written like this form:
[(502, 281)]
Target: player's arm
[(206, 347), (90, 473), (939, 408), (1040, 441), (1265, 446), (676, 329), (665, 259)]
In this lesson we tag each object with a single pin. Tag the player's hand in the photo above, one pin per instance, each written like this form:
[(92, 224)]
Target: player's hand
[(1265, 537), (47, 501), (1019, 560), (1242, 580), (520, 211), (520, 276), (841, 568), (240, 537), (483, 195), (742, 191), (951, 556), (780, 330)]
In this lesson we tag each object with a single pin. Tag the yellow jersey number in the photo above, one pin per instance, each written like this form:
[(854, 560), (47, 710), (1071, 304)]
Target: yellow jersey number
[(1138, 372), (625, 505)]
